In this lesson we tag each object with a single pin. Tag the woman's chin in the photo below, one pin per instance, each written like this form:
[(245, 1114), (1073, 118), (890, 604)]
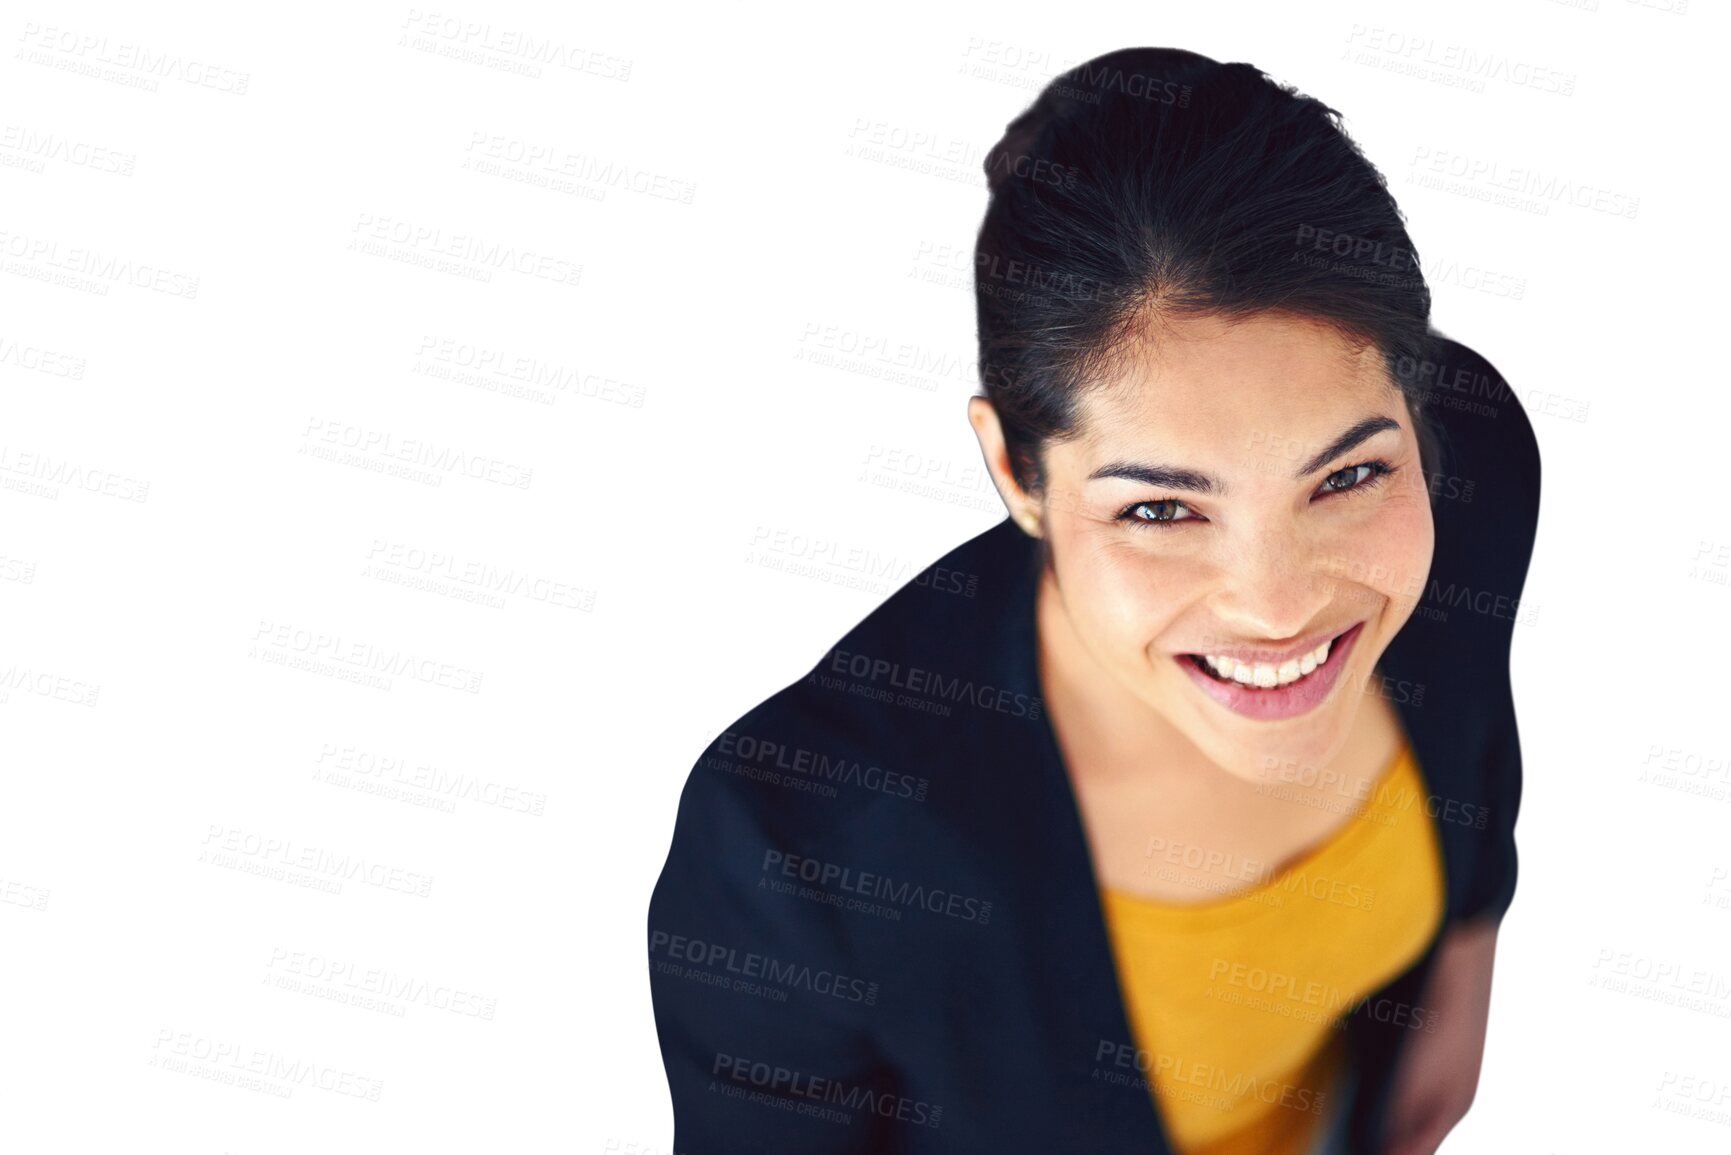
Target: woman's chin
[(1256, 750), (1265, 762)]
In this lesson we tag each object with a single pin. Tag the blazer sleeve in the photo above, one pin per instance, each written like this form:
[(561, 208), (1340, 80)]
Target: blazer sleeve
[(756, 1060), (1505, 525)]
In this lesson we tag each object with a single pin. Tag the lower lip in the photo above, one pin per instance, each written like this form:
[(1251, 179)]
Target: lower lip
[(1289, 701)]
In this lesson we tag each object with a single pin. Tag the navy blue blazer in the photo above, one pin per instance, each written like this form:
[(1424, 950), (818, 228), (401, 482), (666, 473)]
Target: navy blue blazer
[(878, 927)]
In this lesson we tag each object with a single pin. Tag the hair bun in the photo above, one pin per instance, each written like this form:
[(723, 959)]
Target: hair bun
[(1019, 140)]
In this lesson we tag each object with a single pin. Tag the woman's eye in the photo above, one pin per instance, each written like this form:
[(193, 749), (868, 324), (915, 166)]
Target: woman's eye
[(1353, 476), (1157, 512)]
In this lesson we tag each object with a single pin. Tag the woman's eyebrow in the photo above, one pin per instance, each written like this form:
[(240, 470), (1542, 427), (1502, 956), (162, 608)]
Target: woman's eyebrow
[(1161, 477), (1195, 481), (1363, 431)]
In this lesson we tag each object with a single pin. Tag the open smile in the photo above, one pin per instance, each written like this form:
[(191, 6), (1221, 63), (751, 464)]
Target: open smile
[(1281, 686)]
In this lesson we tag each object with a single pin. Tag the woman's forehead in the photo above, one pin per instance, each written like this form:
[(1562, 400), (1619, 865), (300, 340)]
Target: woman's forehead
[(1239, 383)]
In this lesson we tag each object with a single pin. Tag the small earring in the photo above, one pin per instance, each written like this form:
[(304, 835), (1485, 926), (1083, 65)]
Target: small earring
[(1030, 525)]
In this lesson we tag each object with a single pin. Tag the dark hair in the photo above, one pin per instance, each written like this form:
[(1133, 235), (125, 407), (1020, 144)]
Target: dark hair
[(1154, 181)]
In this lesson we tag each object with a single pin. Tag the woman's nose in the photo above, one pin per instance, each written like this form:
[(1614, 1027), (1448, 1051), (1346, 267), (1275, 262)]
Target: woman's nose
[(1273, 586)]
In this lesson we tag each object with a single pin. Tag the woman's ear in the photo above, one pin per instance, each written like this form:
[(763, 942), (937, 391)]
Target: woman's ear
[(983, 416)]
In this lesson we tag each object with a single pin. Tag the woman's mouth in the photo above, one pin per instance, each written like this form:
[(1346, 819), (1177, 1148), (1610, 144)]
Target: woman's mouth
[(1263, 675), (1271, 690)]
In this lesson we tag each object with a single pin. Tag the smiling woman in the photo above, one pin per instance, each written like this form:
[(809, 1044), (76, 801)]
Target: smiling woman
[(1227, 878)]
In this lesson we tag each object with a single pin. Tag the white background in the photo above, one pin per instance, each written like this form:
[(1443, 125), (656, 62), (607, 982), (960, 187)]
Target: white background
[(211, 544)]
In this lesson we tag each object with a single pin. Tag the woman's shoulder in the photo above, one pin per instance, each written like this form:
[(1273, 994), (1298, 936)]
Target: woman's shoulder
[(880, 727), (1485, 484), (1481, 420)]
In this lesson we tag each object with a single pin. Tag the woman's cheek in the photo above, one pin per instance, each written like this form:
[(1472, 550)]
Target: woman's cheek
[(1396, 550), (1133, 592)]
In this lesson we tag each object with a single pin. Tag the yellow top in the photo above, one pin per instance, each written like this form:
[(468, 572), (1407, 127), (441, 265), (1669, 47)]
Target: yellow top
[(1239, 1004)]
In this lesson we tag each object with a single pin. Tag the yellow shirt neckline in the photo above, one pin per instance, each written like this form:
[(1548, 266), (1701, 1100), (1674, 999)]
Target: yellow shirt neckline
[(1341, 846)]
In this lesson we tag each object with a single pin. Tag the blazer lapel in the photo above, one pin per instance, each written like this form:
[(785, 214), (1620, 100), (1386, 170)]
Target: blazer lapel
[(1097, 1080)]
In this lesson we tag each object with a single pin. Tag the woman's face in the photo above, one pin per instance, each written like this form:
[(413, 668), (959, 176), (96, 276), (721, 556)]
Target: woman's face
[(1244, 492)]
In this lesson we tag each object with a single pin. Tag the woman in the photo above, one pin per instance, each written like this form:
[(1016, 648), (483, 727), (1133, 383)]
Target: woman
[(1175, 812)]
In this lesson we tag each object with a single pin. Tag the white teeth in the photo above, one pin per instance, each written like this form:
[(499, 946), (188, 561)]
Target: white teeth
[(1266, 675)]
